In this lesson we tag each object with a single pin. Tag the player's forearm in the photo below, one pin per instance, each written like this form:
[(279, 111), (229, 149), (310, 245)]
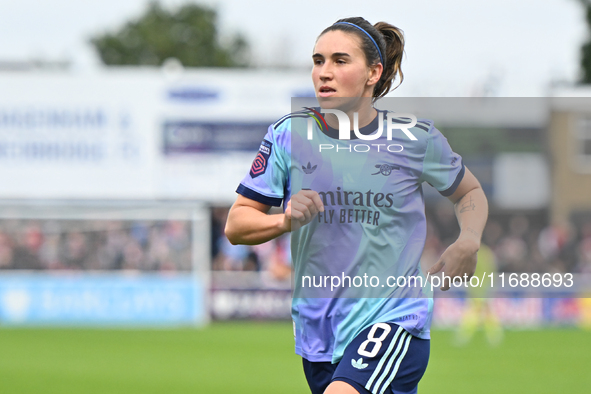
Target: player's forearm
[(248, 226), (472, 213)]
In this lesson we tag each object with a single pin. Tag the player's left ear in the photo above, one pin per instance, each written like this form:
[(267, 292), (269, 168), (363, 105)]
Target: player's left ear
[(374, 74)]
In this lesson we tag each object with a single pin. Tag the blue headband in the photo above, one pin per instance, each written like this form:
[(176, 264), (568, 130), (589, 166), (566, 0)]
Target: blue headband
[(367, 34)]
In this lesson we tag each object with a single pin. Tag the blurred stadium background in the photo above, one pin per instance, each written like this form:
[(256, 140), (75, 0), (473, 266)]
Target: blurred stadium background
[(115, 275)]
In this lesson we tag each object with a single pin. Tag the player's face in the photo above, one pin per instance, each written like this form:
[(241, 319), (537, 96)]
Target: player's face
[(340, 69)]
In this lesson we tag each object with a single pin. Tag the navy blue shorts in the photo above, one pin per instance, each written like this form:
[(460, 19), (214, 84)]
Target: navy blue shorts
[(382, 359)]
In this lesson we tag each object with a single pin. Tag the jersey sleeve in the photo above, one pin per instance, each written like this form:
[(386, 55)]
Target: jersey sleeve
[(442, 167), (268, 176)]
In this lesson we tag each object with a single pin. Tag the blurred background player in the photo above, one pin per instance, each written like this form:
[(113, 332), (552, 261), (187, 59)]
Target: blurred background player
[(478, 309)]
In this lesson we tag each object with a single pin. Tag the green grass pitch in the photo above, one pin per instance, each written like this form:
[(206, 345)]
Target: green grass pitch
[(258, 358)]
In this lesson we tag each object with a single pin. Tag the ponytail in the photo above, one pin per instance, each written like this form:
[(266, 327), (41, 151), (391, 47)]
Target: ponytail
[(394, 40)]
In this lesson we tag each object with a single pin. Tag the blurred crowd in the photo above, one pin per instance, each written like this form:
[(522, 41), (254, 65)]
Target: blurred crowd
[(273, 256), (95, 245), (521, 242)]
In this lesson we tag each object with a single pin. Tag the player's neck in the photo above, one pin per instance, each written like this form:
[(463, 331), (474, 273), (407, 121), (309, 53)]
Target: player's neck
[(366, 116)]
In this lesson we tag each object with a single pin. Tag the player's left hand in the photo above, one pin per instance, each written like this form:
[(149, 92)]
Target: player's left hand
[(459, 259)]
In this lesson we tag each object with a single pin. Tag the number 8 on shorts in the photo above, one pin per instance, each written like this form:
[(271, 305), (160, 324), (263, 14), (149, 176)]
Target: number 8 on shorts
[(372, 339)]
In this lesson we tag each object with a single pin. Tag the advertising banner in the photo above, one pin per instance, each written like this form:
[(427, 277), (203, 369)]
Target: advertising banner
[(101, 299)]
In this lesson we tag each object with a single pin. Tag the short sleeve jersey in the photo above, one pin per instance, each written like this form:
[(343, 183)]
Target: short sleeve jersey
[(373, 228)]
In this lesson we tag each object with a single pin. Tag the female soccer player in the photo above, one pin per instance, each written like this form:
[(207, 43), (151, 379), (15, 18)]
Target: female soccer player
[(357, 212)]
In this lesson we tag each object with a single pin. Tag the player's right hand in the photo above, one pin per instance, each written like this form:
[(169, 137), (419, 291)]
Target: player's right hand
[(302, 208)]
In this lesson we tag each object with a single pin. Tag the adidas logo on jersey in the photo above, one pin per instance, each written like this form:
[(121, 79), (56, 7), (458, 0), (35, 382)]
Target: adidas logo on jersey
[(359, 363), (309, 169)]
